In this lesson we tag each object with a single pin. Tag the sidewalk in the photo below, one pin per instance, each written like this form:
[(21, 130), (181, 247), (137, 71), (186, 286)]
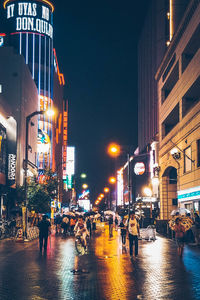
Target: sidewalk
[(104, 274)]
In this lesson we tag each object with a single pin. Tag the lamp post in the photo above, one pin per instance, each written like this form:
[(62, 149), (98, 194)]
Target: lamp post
[(114, 150), (28, 118)]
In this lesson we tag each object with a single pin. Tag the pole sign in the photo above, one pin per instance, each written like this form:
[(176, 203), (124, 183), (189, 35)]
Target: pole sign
[(139, 168), (11, 131), (32, 17)]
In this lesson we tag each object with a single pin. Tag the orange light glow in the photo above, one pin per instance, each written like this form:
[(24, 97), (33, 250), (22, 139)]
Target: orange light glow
[(112, 180), (114, 150), (45, 1), (106, 190), (101, 195), (60, 75)]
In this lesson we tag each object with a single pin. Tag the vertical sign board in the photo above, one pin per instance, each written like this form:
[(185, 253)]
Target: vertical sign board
[(65, 126), (11, 131), (70, 170)]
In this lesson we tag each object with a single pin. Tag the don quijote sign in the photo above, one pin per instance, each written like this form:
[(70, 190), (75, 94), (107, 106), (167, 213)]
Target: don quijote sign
[(11, 167), (30, 16)]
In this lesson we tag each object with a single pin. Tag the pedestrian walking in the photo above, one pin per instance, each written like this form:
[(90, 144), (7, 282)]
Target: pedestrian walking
[(197, 228), (72, 224), (58, 221), (89, 226), (44, 231), (65, 225), (179, 236), (110, 222), (134, 232), (116, 223), (94, 227), (122, 225)]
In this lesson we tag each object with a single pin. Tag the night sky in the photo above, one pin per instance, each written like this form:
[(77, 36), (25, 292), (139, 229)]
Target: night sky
[(96, 44)]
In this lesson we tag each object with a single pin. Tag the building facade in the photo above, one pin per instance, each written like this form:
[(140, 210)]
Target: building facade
[(29, 30), (18, 98), (178, 80)]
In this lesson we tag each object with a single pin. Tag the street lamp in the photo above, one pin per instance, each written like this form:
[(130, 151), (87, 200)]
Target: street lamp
[(112, 180), (83, 176), (114, 150), (84, 186), (106, 191), (49, 113)]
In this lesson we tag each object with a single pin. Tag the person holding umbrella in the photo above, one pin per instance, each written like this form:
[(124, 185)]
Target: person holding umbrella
[(179, 236)]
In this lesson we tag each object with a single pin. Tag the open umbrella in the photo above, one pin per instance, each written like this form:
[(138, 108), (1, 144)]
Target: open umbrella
[(181, 211), (185, 221), (70, 213), (97, 216), (109, 212)]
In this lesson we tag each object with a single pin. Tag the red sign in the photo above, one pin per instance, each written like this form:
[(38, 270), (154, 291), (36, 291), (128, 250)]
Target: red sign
[(139, 168)]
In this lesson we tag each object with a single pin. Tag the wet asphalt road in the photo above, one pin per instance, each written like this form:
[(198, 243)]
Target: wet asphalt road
[(106, 272)]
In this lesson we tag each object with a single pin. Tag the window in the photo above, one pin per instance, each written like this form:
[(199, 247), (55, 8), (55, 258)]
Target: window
[(188, 160), (198, 153), (0, 88)]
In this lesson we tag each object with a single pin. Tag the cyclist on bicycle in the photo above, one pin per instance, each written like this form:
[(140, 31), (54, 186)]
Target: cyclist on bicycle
[(81, 231)]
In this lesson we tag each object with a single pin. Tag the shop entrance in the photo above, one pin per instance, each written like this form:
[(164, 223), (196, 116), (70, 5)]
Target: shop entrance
[(168, 192)]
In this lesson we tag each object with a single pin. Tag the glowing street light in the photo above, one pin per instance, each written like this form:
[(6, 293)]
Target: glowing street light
[(114, 150), (148, 191), (112, 180), (106, 190), (101, 195), (83, 175), (84, 186)]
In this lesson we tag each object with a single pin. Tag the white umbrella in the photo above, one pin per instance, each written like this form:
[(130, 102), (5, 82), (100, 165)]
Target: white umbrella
[(97, 216), (109, 212), (69, 213), (182, 211)]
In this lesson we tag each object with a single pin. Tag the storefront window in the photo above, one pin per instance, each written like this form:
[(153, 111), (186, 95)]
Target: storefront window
[(187, 160)]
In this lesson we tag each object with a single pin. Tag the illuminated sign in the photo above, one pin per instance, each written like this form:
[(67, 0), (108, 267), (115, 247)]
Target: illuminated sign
[(11, 166), (139, 168), (1, 41), (69, 181), (85, 204), (65, 130), (84, 194), (70, 161), (189, 194), (120, 187), (31, 17)]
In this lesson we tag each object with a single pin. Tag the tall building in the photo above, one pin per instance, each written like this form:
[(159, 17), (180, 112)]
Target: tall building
[(151, 49), (29, 30), (160, 28), (178, 78)]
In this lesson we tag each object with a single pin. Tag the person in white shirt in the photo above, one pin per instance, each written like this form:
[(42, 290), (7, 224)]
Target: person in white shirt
[(134, 232), (80, 229)]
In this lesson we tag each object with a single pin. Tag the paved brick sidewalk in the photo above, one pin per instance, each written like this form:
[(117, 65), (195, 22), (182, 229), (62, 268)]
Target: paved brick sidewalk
[(108, 274)]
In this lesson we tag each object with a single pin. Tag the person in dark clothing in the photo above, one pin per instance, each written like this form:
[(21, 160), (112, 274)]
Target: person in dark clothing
[(110, 222), (89, 226), (44, 231), (122, 225)]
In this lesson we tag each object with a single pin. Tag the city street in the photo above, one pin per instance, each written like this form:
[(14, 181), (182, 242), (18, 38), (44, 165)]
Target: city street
[(105, 273)]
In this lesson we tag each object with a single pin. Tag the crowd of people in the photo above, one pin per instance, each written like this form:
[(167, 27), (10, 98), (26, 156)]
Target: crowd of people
[(129, 227)]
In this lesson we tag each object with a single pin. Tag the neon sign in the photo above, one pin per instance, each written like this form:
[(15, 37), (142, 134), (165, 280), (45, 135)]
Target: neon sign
[(139, 168), (31, 17)]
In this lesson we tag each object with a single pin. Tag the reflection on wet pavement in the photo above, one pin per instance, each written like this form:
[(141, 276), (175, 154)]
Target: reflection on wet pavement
[(107, 272)]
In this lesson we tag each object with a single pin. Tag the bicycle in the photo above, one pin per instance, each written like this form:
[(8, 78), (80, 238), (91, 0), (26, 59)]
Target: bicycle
[(80, 248)]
